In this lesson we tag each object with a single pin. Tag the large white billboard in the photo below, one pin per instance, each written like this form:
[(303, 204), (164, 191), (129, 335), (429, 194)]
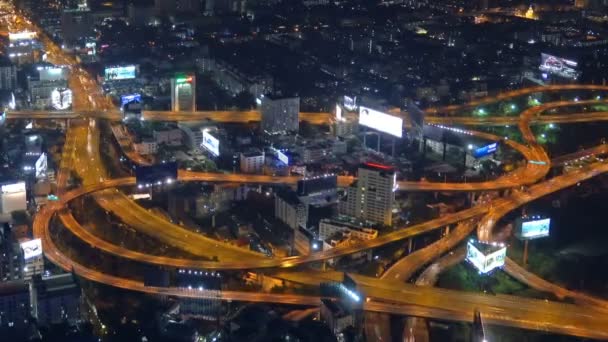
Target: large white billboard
[(32, 248), (41, 166), (13, 188), (52, 73), (126, 72), (211, 144), (24, 35), (381, 121), (485, 263), (535, 229)]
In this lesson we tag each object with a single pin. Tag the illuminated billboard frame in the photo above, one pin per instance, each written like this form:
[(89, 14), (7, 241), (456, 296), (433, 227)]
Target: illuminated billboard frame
[(380, 121), (558, 66), (61, 99), (25, 35), (535, 229), (126, 99), (13, 188), (41, 166), (117, 73), (350, 103), (486, 263), (211, 144), (31, 249), (485, 150), (282, 157)]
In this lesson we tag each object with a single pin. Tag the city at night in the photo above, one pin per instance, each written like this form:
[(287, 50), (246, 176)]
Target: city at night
[(303, 170)]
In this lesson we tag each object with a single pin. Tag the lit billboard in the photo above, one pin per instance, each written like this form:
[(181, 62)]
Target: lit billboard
[(350, 103), (61, 99), (211, 144), (282, 157), (13, 188), (52, 73), (485, 150), (32, 248), (338, 112), (558, 66), (486, 262), (125, 99), (534, 229), (126, 72), (380, 121), (41, 166), (25, 35)]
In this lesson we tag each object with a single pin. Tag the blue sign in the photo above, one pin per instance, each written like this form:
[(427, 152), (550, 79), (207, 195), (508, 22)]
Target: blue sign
[(125, 99), (486, 150)]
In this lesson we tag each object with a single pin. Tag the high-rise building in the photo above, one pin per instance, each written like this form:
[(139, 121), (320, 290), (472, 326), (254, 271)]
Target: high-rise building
[(76, 24), (183, 93), (280, 114), (8, 75), (373, 195), (56, 299), (289, 209)]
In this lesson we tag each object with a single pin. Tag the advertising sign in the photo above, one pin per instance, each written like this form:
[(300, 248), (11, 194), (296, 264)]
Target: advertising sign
[(381, 121), (125, 99), (350, 103), (120, 73), (211, 144), (558, 66), (61, 99), (13, 188), (485, 150), (32, 248), (283, 157), (485, 263), (41, 166), (535, 229), (338, 112), (52, 74), (25, 35)]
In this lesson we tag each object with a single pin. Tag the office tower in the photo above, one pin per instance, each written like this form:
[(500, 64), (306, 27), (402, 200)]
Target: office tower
[(183, 93)]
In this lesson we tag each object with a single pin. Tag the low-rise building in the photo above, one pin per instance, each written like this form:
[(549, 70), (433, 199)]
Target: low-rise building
[(289, 209), (146, 146), (358, 229), (171, 137), (252, 161)]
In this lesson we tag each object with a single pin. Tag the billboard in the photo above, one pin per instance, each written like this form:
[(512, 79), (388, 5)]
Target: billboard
[(41, 166), (13, 188), (380, 121), (52, 73), (116, 73), (32, 248), (61, 99), (338, 112), (485, 261), (159, 174), (485, 150), (558, 66), (534, 229), (24, 35), (282, 157), (125, 99), (211, 144), (350, 103)]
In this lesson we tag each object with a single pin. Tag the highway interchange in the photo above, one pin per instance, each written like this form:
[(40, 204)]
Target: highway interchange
[(389, 294)]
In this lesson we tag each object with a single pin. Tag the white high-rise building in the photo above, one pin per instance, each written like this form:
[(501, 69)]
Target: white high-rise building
[(372, 197)]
